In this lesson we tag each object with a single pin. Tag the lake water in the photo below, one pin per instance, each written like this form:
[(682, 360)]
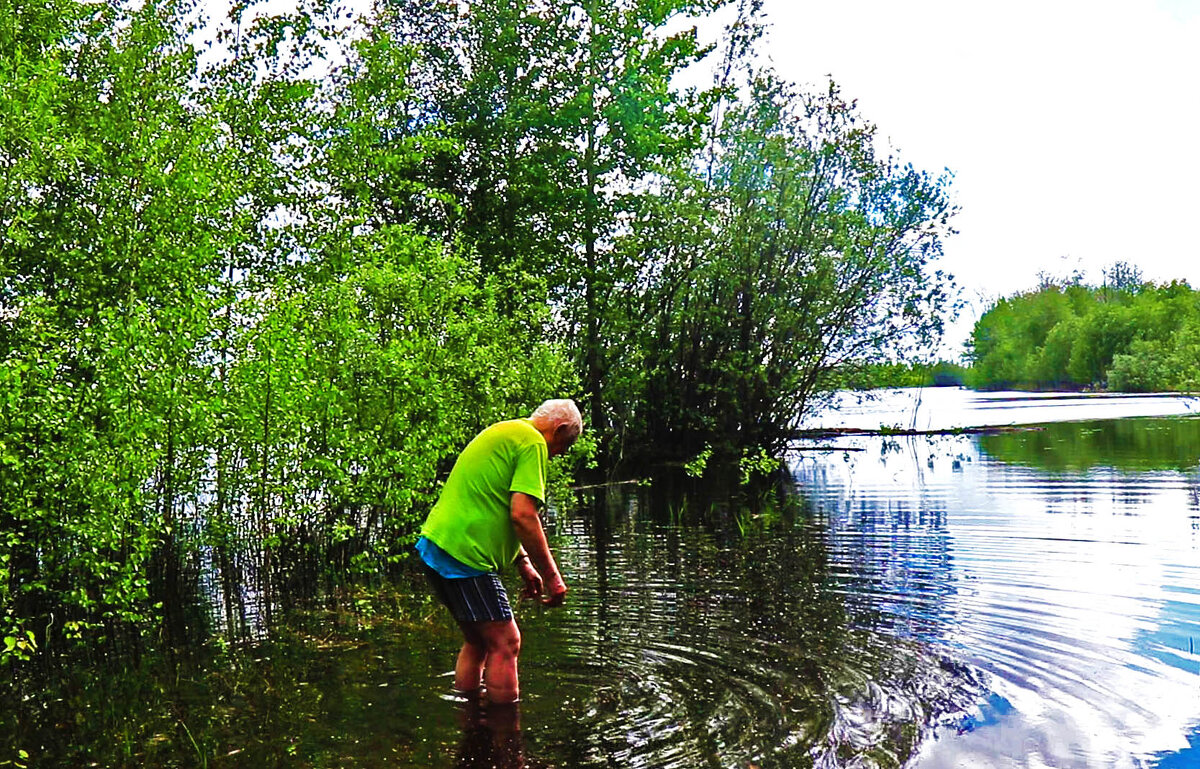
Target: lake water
[(1021, 598), (1062, 563), (945, 408)]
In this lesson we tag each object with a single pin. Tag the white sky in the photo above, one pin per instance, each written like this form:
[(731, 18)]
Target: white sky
[(1072, 126)]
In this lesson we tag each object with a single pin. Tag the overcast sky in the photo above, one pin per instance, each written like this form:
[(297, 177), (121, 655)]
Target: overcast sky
[(1072, 127)]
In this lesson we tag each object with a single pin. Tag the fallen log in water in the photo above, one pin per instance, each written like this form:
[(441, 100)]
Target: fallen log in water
[(841, 432)]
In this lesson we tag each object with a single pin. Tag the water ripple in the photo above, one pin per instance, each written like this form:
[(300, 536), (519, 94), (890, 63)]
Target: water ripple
[(1027, 599), (1075, 587)]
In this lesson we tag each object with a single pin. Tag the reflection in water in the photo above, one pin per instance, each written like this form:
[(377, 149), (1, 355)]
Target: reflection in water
[(946, 408), (1120, 444), (728, 645), (1017, 600), (1076, 591), (491, 736)]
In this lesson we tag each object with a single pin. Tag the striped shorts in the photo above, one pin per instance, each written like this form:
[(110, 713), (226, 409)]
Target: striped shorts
[(472, 599)]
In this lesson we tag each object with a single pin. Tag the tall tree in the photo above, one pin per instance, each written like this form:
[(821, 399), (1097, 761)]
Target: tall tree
[(119, 194), (561, 114), (795, 250)]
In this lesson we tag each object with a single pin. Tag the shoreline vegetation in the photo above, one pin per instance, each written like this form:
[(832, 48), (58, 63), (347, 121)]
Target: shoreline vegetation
[(1123, 335), (262, 276)]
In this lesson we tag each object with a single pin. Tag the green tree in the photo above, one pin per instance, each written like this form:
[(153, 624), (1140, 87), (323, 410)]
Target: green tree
[(560, 114), (207, 333), (112, 231), (1109, 329), (1127, 337), (796, 250)]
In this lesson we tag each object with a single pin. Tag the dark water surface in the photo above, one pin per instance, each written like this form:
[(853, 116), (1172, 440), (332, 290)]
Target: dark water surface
[(1020, 599)]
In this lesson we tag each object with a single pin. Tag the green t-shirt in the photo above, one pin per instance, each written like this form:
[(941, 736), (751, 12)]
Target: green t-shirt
[(472, 520)]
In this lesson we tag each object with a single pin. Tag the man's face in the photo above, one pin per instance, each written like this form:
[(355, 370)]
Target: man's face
[(561, 440)]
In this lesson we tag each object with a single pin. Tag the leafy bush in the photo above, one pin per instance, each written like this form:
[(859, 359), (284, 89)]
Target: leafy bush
[(1131, 337)]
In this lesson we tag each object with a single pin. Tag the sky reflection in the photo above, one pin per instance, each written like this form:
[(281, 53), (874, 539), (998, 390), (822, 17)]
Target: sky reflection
[(946, 408), (1077, 591)]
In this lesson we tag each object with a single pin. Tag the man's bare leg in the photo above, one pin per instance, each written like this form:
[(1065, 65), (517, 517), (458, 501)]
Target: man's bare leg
[(468, 670), (501, 642)]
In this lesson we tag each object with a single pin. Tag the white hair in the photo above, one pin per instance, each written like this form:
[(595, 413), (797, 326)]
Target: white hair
[(560, 411)]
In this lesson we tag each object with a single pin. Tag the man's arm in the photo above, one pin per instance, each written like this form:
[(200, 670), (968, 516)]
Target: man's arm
[(528, 526)]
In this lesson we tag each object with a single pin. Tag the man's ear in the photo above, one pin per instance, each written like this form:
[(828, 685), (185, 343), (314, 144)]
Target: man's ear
[(562, 436)]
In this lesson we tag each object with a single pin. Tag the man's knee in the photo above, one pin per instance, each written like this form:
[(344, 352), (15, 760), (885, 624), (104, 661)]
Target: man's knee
[(503, 638)]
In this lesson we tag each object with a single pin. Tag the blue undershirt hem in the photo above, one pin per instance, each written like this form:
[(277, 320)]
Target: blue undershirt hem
[(443, 563)]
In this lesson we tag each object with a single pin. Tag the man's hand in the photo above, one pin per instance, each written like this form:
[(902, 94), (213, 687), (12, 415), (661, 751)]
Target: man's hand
[(556, 592), (528, 527), (533, 580)]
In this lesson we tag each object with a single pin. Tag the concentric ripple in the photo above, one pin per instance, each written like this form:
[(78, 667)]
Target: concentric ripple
[(957, 601), (680, 651)]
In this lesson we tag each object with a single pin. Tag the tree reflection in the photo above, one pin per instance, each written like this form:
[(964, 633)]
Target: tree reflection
[(723, 633), (491, 736), (1122, 444), (704, 629)]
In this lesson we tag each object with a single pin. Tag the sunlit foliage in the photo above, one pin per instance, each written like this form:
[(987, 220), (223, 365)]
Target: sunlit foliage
[(1133, 337), (262, 276), (204, 340), (796, 250)]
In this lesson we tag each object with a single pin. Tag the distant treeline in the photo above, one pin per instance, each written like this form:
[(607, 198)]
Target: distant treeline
[(1130, 445), (887, 375), (1125, 335)]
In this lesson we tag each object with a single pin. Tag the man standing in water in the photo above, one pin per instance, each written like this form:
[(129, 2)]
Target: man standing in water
[(485, 519)]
